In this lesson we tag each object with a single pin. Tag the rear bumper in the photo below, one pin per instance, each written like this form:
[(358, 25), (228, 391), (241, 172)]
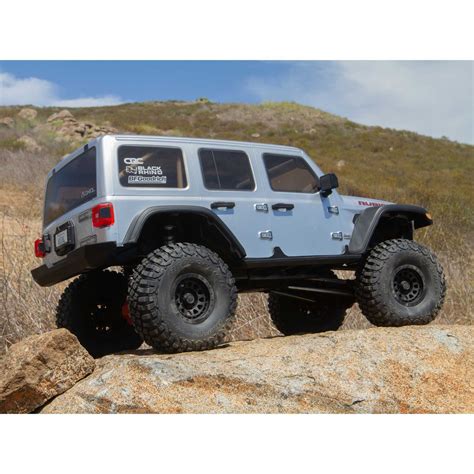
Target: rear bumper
[(83, 259)]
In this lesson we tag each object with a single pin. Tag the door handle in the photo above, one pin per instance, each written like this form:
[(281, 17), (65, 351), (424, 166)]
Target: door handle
[(227, 205), (282, 205)]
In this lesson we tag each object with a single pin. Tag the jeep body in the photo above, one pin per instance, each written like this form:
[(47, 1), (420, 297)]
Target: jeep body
[(267, 210)]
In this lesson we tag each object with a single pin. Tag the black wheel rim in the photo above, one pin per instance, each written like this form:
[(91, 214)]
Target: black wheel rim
[(194, 297), (408, 285)]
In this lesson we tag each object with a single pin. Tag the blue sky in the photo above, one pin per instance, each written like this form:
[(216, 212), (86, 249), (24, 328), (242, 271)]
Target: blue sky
[(430, 97)]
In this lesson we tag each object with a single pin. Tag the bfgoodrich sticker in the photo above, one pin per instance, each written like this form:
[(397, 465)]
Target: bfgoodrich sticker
[(147, 179)]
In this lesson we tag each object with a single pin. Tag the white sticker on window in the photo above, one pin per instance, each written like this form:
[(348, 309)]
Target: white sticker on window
[(147, 179)]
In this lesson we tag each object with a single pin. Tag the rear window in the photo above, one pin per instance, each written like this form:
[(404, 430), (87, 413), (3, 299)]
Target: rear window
[(290, 174), (226, 170), (71, 186), (151, 167)]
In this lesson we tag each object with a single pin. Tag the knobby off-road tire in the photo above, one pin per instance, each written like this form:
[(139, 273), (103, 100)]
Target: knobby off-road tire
[(400, 283), (292, 316), (182, 298), (91, 308)]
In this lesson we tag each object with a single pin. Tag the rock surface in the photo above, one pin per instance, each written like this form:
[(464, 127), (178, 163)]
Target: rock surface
[(69, 128), (426, 369), (27, 114), (29, 143), (40, 367), (62, 115), (7, 122)]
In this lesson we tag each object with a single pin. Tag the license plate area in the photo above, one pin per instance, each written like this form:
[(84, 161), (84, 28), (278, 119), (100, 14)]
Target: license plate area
[(64, 240)]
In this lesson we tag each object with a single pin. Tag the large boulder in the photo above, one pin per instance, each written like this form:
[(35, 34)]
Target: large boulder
[(418, 369), (67, 127), (27, 114), (29, 143), (63, 115), (7, 122), (40, 367)]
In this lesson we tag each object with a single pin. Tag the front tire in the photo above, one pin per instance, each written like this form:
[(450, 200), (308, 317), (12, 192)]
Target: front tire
[(401, 283), (91, 308), (182, 298)]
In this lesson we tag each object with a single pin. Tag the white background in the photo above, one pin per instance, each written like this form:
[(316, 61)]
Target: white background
[(244, 29), (296, 29)]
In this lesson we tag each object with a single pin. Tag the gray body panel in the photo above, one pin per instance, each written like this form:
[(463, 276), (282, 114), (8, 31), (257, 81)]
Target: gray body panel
[(309, 229)]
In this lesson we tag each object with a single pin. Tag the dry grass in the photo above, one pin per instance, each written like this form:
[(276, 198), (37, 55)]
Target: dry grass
[(25, 307), (382, 163)]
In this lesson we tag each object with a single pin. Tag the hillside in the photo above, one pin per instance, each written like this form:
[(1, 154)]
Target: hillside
[(370, 161)]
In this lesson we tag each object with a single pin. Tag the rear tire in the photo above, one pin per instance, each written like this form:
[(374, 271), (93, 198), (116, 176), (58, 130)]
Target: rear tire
[(91, 308), (182, 298), (401, 283), (292, 316)]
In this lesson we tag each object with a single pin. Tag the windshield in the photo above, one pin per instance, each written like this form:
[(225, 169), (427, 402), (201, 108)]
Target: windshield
[(71, 186)]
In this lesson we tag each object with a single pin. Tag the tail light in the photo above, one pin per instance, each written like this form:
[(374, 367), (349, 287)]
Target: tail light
[(40, 251), (103, 215)]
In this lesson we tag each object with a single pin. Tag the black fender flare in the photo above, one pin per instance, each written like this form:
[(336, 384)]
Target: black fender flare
[(368, 220), (134, 230)]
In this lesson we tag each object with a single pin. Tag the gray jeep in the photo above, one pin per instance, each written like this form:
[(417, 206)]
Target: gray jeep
[(191, 222)]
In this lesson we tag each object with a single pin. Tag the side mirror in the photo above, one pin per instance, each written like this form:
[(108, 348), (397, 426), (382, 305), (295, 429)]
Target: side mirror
[(327, 183)]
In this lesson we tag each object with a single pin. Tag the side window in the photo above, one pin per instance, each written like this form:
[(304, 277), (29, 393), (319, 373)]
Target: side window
[(290, 174), (226, 170), (151, 167)]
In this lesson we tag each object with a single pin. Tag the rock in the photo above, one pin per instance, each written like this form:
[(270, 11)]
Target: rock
[(256, 135), (40, 367), (340, 164), (64, 114), (68, 128), (418, 369), (29, 143), (7, 122), (27, 114)]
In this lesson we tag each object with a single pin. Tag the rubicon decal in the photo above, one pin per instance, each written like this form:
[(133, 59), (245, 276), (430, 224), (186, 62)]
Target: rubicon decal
[(368, 203)]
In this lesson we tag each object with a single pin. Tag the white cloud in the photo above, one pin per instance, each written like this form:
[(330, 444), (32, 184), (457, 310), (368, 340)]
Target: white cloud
[(89, 101), (430, 97), (34, 91)]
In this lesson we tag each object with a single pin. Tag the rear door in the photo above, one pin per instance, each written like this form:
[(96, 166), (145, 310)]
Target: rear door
[(302, 222), (231, 191), (70, 192)]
